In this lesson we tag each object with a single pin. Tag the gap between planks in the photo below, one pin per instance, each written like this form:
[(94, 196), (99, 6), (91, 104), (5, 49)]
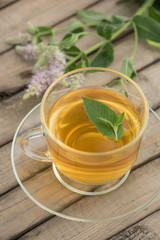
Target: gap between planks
[(20, 80), (62, 220), (124, 231), (6, 148), (48, 23), (7, 3), (47, 216), (18, 236)]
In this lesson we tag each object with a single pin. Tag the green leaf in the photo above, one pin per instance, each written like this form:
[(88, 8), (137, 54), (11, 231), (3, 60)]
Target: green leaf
[(92, 17), (115, 82), (85, 58), (127, 68), (119, 19), (39, 40), (119, 119), (156, 4), (154, 44), (154, 14), (74, 66), (124, 87), (105, 31), (69, 40), (115, 23), (103, 117), (73, 51), (75, 26), (120, 131), (105, 57), (107, 121), (71, 67), (147, 28), (43, 29), (79, 64)]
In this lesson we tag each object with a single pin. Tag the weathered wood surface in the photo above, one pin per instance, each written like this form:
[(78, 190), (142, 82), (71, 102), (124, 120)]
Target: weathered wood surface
[(20, 71), (150, 144), (147, 175), (46, 14), (14, 109), (5, 3), (147, 229), (18, 213)]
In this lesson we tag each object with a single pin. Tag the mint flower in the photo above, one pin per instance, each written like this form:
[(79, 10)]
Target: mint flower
[(75, 81), (47, 53), (21, 38), (52, 67), (27, 52)]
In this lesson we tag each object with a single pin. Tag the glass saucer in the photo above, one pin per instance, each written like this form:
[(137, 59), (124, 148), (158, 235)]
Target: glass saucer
[(38, 181)]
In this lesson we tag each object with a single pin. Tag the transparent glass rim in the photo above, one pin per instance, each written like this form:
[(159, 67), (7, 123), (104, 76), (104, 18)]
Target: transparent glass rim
[(139, 135), (58, 213)]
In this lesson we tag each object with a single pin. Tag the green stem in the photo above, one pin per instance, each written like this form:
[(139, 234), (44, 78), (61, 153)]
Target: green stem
[(140, 11), (116, 136), (89, 50), (98, 45), (144, 7), (99, 50), (89, 33), (115, 34), (135, 42), (92, 24), (60, 30)]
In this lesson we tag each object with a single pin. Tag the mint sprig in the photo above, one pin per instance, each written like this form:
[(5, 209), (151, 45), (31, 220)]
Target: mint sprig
[(104, 118)]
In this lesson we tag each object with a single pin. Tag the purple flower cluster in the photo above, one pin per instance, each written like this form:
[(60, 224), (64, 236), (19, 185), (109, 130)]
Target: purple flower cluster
[(27, 52), (21, 38), (76, 80), (48, 72)]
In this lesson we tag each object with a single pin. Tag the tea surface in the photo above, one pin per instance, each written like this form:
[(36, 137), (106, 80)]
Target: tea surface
[(70, 124)]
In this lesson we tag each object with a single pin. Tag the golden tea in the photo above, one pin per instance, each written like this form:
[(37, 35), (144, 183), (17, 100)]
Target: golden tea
[(70, 124)]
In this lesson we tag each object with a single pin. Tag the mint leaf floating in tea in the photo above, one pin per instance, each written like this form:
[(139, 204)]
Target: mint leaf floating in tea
[(104, 118)]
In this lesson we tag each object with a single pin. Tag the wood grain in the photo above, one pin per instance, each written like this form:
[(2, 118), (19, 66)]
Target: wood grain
[(144, 180), (18, 213), (15, 203), (147, 229), (14, 18), (20, 71), (150, 146), (4, 3), (15, 108)]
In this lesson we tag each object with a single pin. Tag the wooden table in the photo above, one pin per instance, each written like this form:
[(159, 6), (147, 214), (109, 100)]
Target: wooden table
[(20, 218)]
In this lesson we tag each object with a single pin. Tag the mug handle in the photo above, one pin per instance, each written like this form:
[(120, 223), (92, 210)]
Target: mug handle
[(30, 152)]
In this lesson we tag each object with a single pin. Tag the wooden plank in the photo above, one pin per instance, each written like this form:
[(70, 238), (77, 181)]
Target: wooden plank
[(7, 178), (150, 146), (148, 228), (15, 108), (152, 88), (20, 71), (44, 14), (4, 3), (144, 180)]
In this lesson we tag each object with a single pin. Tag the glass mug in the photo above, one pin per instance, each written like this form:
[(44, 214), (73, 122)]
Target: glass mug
[(83, 171)]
